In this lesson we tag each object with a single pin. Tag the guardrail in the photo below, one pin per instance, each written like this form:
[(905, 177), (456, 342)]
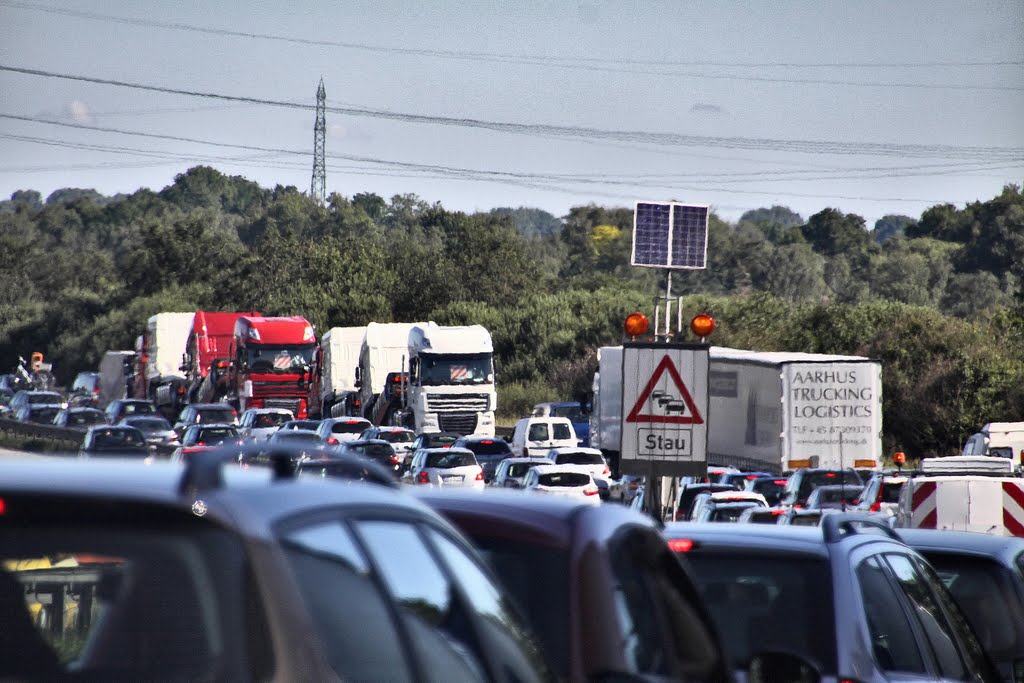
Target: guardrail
[(56, 438)]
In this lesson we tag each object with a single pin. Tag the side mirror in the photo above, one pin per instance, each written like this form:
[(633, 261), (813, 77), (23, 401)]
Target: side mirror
[(770, 667)]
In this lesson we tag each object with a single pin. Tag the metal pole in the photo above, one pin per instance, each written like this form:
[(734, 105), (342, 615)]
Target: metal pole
[(668, 306)]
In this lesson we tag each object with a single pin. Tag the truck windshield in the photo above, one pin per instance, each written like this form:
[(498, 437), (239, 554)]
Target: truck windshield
[(475, 368), (279, 359)]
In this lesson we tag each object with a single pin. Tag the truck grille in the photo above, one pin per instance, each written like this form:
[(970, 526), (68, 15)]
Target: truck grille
[(287, 404), (461, 403), (460, 423), (285, 389)]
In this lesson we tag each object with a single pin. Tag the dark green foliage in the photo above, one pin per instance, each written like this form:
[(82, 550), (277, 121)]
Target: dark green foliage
[(81, 273)]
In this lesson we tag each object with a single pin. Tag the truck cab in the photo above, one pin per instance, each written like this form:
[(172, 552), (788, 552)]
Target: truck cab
[(451, 380), (272, 363)]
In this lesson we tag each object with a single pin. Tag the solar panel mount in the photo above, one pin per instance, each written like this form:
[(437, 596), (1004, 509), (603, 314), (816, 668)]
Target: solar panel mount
[(670, 235)]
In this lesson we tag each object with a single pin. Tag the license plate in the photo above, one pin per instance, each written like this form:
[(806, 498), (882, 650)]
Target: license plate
[(454, 478)]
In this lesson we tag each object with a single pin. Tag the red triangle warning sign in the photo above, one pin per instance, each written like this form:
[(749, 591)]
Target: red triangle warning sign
[(666, 403)]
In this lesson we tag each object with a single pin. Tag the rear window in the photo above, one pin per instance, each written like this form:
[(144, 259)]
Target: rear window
[(764, 517), (117, 438), (295, 436), (566, 479), (86, 417), (805, 520), (143, 408), (348, 427), (489, 447), (579, 458), (216, 415), (519, 469), (47, 413), (561, 431), (763, 603), (830, 495), (891, 492), (379, 450), (215, 435), (44, 397), (268, 420), (538, 432), (769, 486), (106, 598), (151, 424), (396, 437), (449, 459), (813, 480), (727, 514)]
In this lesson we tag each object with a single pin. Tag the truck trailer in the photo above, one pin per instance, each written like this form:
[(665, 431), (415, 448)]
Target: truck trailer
[(333, 391), (771, 411), (385, 349), (208, 354), (159, 352)]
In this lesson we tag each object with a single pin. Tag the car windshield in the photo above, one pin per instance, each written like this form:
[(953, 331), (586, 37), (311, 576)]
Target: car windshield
[(117, 438), (44, 397), (762, 603), (150, 424), (985, 592), (579, 458), (447, 459), (279, 359), (564, 479), (129, 581), (474, 368), (348, 427)]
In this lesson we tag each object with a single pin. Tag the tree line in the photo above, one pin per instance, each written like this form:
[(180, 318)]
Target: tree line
[(936, 298)]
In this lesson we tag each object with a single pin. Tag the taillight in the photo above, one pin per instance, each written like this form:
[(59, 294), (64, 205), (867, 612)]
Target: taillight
[(394, 459), (606, 471), (332, 441), (830, 475), (480, 475), (590, 491), (680, 545), (423, 478)]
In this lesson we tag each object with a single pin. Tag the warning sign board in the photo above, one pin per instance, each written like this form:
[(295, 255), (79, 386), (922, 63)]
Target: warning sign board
[(665, 390)]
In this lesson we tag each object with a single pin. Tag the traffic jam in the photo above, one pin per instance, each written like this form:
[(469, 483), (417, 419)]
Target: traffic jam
[(252, 502)]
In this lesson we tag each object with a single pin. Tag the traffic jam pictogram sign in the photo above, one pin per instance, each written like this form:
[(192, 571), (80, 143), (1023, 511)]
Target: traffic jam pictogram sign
[(665, 387)]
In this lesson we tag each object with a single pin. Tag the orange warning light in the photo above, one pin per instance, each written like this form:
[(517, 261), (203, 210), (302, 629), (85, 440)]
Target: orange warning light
[(900, 458), (636, 324), (702, 325)]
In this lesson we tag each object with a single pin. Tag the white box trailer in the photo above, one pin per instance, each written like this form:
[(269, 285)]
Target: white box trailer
[(785, 411), (115, 375), (166, 340), (340, 347), (769, 411), (385, 349)]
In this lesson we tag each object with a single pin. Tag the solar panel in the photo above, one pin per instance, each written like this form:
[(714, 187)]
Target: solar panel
[(669, 235), (689, 236)]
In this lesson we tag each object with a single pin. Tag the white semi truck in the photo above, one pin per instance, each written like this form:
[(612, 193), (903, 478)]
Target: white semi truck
[(770, 411), (161, 352), (450, 383), (384, 350)]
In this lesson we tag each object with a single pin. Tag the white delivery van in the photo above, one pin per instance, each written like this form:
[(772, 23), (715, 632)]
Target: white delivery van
[(535, 436)]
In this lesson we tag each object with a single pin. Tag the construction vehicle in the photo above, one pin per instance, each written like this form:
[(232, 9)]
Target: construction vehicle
[(332, 390)]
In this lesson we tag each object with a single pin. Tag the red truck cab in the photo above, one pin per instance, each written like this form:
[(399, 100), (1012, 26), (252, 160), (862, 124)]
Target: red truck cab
[(210, 349), (272, 363)]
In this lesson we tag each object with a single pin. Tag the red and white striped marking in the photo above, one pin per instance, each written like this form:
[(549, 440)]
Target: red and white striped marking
[(924, 506), (459, 372), (1013, 507)]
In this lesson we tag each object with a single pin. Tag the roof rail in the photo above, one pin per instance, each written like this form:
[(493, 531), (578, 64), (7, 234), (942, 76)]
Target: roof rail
[(202, 473), (838, 526)]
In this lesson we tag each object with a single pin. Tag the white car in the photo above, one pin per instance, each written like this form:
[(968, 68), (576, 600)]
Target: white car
[(511, 471), (445, 467), (534, 436), (562, 480), (257, 424), (589, 459), (725, 497)]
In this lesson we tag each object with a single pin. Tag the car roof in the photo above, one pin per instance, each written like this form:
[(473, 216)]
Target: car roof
[(207, 406), (336, 420), (211, 425), (273, 411), (1006, 548), (495, 439), (553, 520), (765, 537), (377, 442), (836, 487), (392, 429), (117, 427), (288, 433), (517, 459), (435, 435), (463, 451), (576, 449), (83, 409), (253, 491), (555, 469)]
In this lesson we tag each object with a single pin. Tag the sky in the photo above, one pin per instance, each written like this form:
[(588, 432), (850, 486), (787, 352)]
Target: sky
[(872, 107)]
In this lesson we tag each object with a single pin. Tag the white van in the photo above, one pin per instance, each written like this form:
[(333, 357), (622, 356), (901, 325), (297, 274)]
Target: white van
[(1000, 440), (538, 435)]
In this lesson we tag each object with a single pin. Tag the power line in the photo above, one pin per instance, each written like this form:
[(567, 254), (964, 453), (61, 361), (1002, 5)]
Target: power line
[(514, 58), (540, 129)]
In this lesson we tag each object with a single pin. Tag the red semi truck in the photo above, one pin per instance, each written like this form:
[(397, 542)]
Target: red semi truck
[(271, 365), (208, 354)]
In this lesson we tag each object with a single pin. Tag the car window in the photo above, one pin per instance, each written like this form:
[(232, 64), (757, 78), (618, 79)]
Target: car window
[(85, 417), (216, 415), (44, 397), (564, 479), (516, 646), (137, 409), (936, 627), (268, 420), (891, 492), (348, 427), (438, 624), (446, 459), (489, 447), (764, 602), (574, 413), (579, 458), (395, 437), (216, 435), (518, 469), (561, 431), (117, 438), (892, 638), (151, 423), (538, 432), (351, 616)]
